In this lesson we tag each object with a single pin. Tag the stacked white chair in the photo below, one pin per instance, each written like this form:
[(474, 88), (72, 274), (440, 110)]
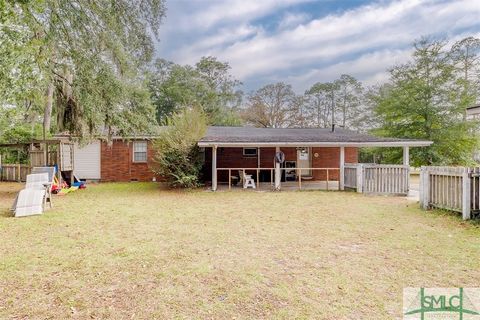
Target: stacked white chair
[(33, 199)]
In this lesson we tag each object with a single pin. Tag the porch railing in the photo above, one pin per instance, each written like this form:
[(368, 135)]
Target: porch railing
[(245, 171), (329, 174)]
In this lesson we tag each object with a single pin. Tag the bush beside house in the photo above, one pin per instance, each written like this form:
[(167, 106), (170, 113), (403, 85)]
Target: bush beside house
[(177, 156)]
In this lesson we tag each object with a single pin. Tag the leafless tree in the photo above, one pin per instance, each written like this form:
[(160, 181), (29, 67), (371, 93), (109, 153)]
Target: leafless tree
[(274, 106)]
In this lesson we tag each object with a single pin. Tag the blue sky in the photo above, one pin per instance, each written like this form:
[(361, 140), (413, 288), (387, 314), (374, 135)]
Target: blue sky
[(305, 41)]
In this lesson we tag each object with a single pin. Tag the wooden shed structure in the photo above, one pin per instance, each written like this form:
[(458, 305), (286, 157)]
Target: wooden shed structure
[(41, 153)]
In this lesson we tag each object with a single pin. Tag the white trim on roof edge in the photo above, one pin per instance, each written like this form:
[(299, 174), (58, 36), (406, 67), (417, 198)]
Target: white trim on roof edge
[(317, 144)]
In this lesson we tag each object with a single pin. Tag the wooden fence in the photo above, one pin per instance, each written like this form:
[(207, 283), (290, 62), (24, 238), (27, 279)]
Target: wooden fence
[(451, 188), (377, 178), (14, 172), (350, 172)]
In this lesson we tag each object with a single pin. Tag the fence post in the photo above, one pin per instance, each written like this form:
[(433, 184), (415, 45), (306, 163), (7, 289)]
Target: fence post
[(466, 195), (359, 178), (424, 188)]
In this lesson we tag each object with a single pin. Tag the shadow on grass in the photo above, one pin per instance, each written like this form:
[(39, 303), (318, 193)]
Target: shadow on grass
[(455, 216), (6, 213)]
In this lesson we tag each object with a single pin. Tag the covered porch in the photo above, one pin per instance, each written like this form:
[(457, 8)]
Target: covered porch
[(304, 168), (309, 159)]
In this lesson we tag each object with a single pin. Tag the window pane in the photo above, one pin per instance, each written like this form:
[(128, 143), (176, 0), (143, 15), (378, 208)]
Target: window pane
[(140, 157), (139, 151), (140, 146), (250, 151)]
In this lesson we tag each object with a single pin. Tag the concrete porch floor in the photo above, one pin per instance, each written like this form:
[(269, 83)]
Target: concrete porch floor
[(287, 186)]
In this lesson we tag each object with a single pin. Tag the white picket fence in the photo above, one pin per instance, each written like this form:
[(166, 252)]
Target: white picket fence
[(377, 178), (450, 188)]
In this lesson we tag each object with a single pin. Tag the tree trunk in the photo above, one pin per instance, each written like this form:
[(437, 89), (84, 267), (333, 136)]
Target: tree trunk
[(344, 107), (333, 109), (47, 117)]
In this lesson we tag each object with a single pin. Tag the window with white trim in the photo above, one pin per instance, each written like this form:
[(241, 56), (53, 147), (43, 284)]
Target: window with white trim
[(249, 152), (140, 151)]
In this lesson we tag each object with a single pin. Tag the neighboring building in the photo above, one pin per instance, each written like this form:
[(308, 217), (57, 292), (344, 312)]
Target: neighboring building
[(238, 148), (473, 112), (120, 160)]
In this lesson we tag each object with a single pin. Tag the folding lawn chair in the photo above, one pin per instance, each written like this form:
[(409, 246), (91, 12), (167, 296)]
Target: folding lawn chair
[(32, 200), (51, 180)]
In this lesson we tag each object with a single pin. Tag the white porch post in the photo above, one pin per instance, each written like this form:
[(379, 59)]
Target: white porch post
[(214, 168), (278, 172), (406, 156), (342, 168)]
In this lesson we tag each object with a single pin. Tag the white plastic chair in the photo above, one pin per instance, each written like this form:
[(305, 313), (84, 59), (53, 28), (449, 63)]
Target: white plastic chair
[(246, 180)]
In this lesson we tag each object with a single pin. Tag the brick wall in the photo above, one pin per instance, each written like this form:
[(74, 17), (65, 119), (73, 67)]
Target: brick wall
[(117, 162), (328, 157)]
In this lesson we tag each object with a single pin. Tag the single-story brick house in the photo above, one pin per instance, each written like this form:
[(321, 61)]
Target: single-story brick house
[(310, 154), (123, 159), (319, 152)]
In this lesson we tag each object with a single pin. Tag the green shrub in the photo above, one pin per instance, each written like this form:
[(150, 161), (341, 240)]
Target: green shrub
[(177, 155)]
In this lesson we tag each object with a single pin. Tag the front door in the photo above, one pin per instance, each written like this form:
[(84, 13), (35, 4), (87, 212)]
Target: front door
[(304, 160)]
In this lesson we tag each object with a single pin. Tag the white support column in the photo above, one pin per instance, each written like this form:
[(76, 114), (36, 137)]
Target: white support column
[(278, 172), (466, 196), (214, 168), (406, 156), (342, 168), (258, 157)]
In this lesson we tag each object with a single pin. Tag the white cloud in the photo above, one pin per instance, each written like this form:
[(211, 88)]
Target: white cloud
[(370, 67), (292, 20), (365, 40), (239, 10), (210, 13)]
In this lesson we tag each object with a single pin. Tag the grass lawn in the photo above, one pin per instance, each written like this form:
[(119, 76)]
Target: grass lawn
[(134, 251)]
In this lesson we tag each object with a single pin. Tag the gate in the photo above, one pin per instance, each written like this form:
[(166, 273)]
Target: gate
[(386, 179)]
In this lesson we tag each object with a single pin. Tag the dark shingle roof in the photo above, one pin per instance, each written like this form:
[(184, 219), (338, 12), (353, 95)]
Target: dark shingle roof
[(289, 135)]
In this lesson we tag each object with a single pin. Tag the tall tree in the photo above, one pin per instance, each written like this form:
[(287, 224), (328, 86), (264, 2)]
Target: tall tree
[(91, 53), (322, 102), (208, 85), (273, 106), (417, 103), (336, 102), (349, 98), (465, 55), (317, 105)]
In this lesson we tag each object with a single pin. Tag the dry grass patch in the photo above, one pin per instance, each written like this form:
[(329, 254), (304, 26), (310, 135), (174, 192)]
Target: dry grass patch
[(134, 251)]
